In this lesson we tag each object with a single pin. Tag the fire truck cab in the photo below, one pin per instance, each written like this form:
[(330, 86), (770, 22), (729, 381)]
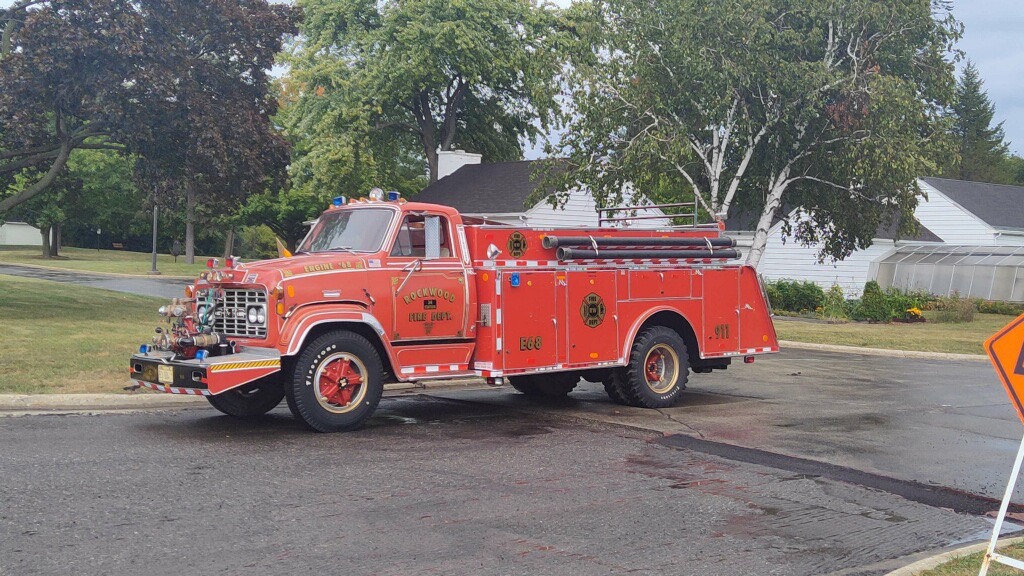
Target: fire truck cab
[(385, 290)]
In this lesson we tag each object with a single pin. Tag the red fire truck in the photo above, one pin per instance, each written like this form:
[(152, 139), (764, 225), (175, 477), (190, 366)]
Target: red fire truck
[(384, 290)]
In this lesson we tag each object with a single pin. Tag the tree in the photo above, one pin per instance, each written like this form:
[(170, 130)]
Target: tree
[(983, 155), (832, 107), (405, 79), (181, 84)]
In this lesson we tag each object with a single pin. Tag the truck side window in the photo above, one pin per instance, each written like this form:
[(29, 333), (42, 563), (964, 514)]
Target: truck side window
[(422, 236)]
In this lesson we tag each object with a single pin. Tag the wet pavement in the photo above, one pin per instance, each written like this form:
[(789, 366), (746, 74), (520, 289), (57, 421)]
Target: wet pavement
[(943, 423), (431, 486), (155, 286)]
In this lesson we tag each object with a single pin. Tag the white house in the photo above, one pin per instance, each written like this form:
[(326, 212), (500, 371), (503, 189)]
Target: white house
[(971, 242), (498, 191), (19, 234)]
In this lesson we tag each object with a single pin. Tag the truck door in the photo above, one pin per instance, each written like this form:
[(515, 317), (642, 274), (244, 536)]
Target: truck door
[(721, 311), (530, 336), (591, 307), (431, 295)]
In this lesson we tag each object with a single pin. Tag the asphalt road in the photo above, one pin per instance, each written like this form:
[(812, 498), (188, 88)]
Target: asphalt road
[(431, 486), (156, 286)]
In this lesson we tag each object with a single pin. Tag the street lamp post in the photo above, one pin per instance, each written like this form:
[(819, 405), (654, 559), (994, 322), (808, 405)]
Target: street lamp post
[(156, 211)]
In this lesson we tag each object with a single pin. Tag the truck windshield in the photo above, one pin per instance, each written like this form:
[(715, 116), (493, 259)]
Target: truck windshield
[(360, 230)]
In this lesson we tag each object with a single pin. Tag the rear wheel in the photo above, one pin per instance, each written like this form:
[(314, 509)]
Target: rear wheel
[(250, 400), (614, 382), (338, 382), (658, 369)]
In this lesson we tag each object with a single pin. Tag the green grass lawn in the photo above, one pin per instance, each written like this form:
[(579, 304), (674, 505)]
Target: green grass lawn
[(927, 336), (969, 565), (88, 260), (68, 338)]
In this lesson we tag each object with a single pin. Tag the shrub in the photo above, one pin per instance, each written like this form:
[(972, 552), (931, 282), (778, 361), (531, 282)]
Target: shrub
[(794, 296), (834, 305), (954, 309), (995, 307), (874, 305), (907, 305)]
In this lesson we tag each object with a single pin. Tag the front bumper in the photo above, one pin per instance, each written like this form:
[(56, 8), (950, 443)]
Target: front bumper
[(161, 371)]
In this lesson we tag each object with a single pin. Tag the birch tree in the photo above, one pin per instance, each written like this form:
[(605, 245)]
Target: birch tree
[(831, 107)]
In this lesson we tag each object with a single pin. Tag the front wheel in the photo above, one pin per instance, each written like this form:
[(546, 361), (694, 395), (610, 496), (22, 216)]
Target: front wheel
[(338, 382), (250, 400)]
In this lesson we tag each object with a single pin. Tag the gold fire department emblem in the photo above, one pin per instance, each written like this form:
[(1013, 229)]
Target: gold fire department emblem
[(592, 310), (516, 244)]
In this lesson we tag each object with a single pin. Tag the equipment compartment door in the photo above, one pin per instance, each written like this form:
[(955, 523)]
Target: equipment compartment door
[(721, 311), (529, 335), (591, 311)]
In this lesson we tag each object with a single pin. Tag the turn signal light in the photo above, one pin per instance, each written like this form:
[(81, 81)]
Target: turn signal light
[(190, 291), (748, 359), (280, 308)]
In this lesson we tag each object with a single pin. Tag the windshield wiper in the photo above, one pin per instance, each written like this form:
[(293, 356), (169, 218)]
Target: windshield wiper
[(341, 248)]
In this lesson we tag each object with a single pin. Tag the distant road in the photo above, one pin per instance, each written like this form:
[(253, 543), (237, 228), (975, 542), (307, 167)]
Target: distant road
[(155, 286)]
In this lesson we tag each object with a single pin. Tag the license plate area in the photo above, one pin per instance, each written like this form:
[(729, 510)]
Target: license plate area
[(165, 374)]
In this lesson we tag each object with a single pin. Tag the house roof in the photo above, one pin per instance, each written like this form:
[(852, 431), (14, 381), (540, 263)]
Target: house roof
[(490, 188), (998, 205), (744, 221)]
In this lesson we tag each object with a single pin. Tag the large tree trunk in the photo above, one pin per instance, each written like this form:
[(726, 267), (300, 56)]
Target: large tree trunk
[(229, 243), (190, 224), (55, 245), (771, 206), (45, 233)]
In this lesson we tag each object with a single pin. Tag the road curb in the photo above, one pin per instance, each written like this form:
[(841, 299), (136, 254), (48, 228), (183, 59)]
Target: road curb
[(938, 559), (97, 273), (20, 403), (883, 352)]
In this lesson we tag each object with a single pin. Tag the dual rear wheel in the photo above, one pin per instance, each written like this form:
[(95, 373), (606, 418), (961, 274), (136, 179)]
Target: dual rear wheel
[(656, 374)]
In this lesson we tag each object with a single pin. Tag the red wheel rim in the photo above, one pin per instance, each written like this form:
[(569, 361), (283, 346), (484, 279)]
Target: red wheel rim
[(340, 382)]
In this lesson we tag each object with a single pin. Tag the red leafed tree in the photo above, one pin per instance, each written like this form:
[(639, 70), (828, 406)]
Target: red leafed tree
[(182, 84)]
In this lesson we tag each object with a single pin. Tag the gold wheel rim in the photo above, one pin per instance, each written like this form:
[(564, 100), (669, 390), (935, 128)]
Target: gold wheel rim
[(661, 368)]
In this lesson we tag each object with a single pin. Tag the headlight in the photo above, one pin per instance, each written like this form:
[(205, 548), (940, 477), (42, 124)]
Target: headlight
[(256, 315)]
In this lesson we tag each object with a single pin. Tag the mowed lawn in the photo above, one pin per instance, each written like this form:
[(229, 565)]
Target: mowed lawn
[(966, 338), (117, 261), (68, 338)]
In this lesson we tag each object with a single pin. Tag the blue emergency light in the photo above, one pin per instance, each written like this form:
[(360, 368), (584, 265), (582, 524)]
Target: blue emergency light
[(513, 280), (144, 349), (338, 201), (393, 196), (202, 354)]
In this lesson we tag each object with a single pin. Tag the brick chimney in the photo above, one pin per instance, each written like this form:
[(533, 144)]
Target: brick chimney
[(449, 161)]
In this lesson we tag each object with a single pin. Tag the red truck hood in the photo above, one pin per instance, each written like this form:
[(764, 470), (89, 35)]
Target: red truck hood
[(271, 271)]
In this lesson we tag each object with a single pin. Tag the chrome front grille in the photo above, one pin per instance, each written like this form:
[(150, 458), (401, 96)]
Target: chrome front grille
[(231, 317)]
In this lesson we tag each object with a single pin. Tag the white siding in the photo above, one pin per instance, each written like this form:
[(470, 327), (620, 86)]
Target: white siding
[(951, 222), (581, 210), (20, 234), (794, 261)]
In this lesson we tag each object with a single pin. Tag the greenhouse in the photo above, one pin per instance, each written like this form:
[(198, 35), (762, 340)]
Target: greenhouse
[(988, 272)]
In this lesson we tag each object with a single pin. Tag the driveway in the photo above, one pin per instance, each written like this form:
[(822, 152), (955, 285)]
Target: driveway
[(153, 286)]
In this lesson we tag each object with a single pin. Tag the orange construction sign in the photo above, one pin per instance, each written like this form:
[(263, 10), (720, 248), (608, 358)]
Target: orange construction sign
[(1006, 350)]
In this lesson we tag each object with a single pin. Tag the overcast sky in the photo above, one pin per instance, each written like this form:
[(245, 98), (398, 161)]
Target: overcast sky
[(994, 40)]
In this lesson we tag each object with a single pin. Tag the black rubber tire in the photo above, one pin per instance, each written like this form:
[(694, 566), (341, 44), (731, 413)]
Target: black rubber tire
[(525, 385), (634, 386), (304, 391), (614, 383), (250, 400), (556, 385)]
